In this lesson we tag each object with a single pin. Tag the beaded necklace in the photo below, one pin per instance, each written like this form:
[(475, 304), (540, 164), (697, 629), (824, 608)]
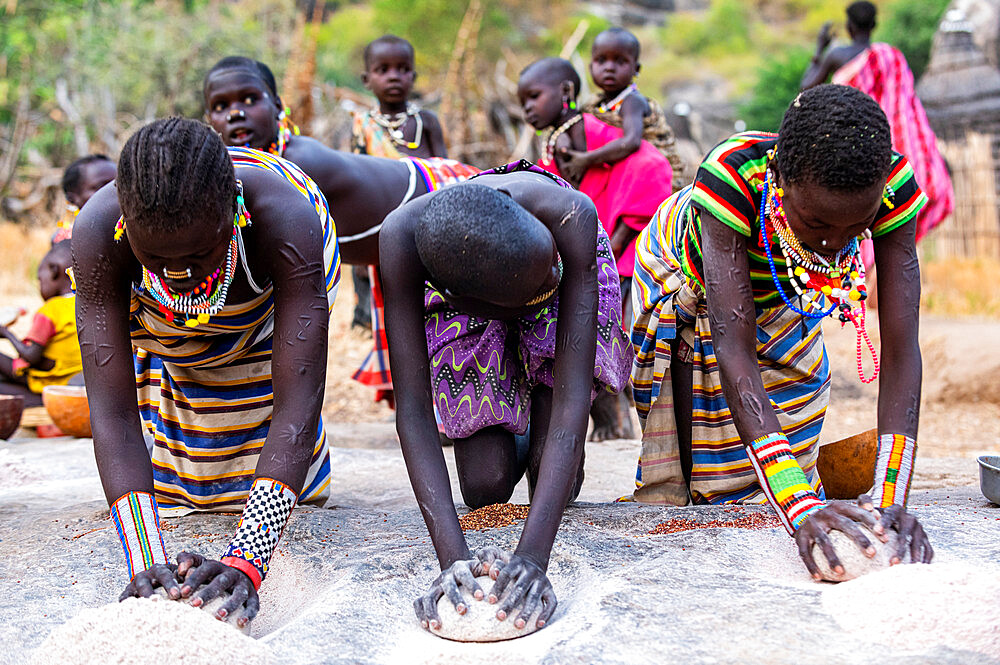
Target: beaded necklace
[(612, 105), (549, 149), (286, 129), (208, 298), (393, 125), (812, 276)]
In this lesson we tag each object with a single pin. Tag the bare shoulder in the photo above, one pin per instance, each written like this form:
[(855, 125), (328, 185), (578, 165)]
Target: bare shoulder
[(636, 104), (430, 118), (94, 228)]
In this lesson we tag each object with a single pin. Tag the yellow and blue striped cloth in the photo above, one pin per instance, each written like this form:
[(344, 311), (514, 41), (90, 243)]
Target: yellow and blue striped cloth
[(205, 393)]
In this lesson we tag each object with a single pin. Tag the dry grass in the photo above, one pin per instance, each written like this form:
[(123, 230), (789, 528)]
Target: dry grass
[(961, 287), (21, 248)]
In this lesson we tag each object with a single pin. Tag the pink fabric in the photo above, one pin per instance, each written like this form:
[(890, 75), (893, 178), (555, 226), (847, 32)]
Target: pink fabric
[(623, 192), (882, 73)]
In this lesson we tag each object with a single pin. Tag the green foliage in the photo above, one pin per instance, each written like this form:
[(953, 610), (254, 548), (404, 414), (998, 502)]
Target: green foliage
[(726, 27), (776, 86), (909, 25)]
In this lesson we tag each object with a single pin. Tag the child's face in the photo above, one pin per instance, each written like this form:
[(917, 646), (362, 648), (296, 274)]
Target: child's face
[(390, 73), (200, 248), (95, 175), (817, 215), (239, 106), (613, 64), (52, 278), (541, 100)]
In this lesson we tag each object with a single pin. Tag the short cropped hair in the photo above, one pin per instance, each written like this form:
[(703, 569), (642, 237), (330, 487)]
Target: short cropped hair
[(249, 65), (834, 136), (74, 172), (862, 15), (555, 71), (388, 40), (625, 36), (469, 234)]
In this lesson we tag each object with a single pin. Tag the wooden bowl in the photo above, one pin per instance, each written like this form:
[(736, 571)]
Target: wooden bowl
[(847, 467), (11, 408), (67, 405)]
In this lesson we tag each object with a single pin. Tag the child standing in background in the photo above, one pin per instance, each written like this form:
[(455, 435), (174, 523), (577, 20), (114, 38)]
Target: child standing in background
[(80, 181), (398, 127), (49, 354), (614, 65)]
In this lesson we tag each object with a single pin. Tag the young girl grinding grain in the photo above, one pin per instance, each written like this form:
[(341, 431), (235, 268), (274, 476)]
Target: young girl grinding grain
[(242, 104), (219, 267), (733, 278), (502, 309)]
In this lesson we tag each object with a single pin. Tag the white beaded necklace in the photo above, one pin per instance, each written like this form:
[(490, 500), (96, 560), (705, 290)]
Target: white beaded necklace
[(549, 149)]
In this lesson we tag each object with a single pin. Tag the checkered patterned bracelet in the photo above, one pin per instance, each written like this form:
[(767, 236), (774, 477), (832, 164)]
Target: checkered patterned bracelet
[(783, 480), (893, 469), (268, 508), (138, 525)]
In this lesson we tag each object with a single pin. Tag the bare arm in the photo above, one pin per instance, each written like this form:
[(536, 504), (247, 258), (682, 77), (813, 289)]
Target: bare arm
[(573, 220), (898, 272), (820, 68), (633, 111), (101, 270), (403, 279), (292, 233), (434, 134), (30, 352)]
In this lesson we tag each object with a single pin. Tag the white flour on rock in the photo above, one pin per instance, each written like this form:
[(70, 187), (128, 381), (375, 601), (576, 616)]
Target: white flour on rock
[(919, 606), (148, 631)]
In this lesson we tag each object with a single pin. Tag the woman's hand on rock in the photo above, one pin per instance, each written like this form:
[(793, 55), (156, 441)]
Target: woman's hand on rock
[(841, 516), (208, 578), (911, 535), (462, 573), (145, 582), (527, 587)]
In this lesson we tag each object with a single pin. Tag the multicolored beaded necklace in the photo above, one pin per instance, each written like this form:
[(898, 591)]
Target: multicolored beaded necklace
[(208, 298), (612, 105), (841, 281), (286, 129), (393, 125), (549, 149)]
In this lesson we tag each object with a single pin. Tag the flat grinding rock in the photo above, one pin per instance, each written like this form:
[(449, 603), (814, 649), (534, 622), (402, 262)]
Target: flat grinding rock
[(210, 607), (479, 623), (852, 557)]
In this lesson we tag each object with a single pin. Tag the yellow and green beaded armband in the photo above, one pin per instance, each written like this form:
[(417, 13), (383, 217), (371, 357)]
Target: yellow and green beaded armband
[(138, 524), (783, 480), (893, 470)]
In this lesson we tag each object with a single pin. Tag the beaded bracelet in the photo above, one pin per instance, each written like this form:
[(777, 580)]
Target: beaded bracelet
[(268, 508), (893, 469), (138, 524), (783, 480)]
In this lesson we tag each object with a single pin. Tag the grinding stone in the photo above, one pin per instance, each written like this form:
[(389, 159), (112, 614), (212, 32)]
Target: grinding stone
[(479, 623), (211, 606), (852, 557)]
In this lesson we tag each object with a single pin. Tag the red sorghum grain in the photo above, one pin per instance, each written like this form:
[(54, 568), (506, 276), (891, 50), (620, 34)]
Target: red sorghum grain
[(493, 517)]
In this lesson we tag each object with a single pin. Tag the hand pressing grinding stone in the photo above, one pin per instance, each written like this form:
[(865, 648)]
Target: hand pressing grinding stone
[(854, 560), (479, 623), (211, 606)]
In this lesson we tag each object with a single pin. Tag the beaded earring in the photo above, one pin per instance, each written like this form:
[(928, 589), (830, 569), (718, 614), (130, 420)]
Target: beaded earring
[(572, 104)]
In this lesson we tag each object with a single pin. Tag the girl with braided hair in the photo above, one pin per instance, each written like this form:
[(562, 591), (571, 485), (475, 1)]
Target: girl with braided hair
[(219, 267), (242, 104), (732, 279)]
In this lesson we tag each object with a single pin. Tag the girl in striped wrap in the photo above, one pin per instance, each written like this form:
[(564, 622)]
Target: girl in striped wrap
[(219, 267), (731, 378)]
